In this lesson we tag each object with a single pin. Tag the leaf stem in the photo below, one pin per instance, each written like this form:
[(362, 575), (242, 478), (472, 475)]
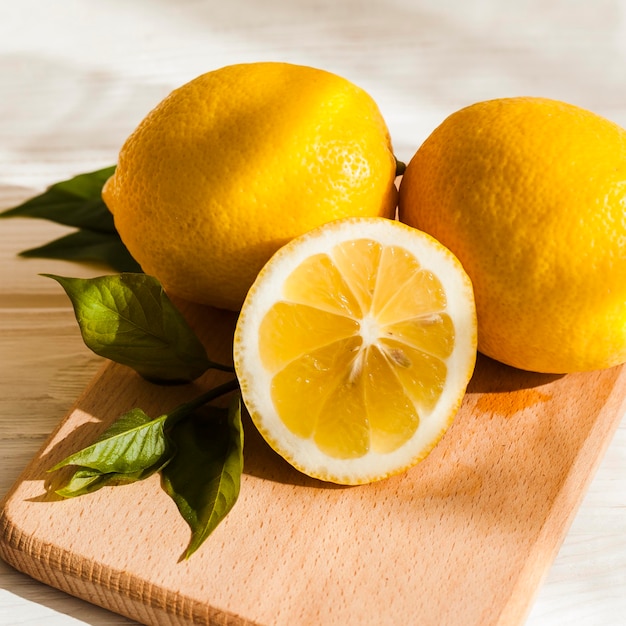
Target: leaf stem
[(183, 410), (400, 167), (221, 367)]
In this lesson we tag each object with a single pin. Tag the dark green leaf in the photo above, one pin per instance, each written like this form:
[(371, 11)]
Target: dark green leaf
[(83, 481), (133, 443), (74, 202), (129, 319), (78, 202), (204, 475), (131, 449), (87, 245)]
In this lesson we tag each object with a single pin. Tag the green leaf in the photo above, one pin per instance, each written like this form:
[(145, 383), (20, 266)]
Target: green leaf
[(78, 202), (206, 452), (131, 449), (74, 202), (204, 476), (87, 245), (83, 481), (129, 319), (133, 443)]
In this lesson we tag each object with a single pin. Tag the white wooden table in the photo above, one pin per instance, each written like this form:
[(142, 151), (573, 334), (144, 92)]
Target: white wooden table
[(77, 76)]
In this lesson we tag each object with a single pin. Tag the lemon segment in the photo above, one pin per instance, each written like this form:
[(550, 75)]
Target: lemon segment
[(422, 375), (434, 333), (279, 344), (393, 418), (357, 262), (319, 283), (354, 348), (300, 389)]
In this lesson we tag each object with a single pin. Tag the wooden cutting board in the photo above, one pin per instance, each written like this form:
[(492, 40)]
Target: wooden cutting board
[(463, 538)]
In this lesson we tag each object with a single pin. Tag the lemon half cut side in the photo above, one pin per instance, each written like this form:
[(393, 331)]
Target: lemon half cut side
[(354, 348)]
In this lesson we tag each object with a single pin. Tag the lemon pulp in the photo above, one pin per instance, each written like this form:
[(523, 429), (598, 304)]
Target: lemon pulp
[(356, 348)]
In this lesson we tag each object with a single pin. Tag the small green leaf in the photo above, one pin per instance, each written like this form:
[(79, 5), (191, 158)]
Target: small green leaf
[(129, 319), (87, 245), (83, 481), (207, 458), (133, 443), (204, 476), (132, 448), (74, 202)]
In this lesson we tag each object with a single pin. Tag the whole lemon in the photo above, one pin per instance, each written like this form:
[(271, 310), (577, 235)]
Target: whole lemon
[(530, 195), (235, 163)]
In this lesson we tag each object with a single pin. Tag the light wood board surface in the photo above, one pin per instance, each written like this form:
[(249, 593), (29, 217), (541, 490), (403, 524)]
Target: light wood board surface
[(465, 537), (76, 77)]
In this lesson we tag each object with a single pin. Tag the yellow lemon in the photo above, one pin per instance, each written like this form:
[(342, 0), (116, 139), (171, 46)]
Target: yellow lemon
[(530, 195), (237, 162), (354, 348)]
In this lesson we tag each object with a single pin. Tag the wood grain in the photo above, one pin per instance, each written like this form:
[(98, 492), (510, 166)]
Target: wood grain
[(464, 538)]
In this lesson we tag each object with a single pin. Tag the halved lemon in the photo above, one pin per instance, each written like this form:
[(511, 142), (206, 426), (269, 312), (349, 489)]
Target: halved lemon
[(354, 348)]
